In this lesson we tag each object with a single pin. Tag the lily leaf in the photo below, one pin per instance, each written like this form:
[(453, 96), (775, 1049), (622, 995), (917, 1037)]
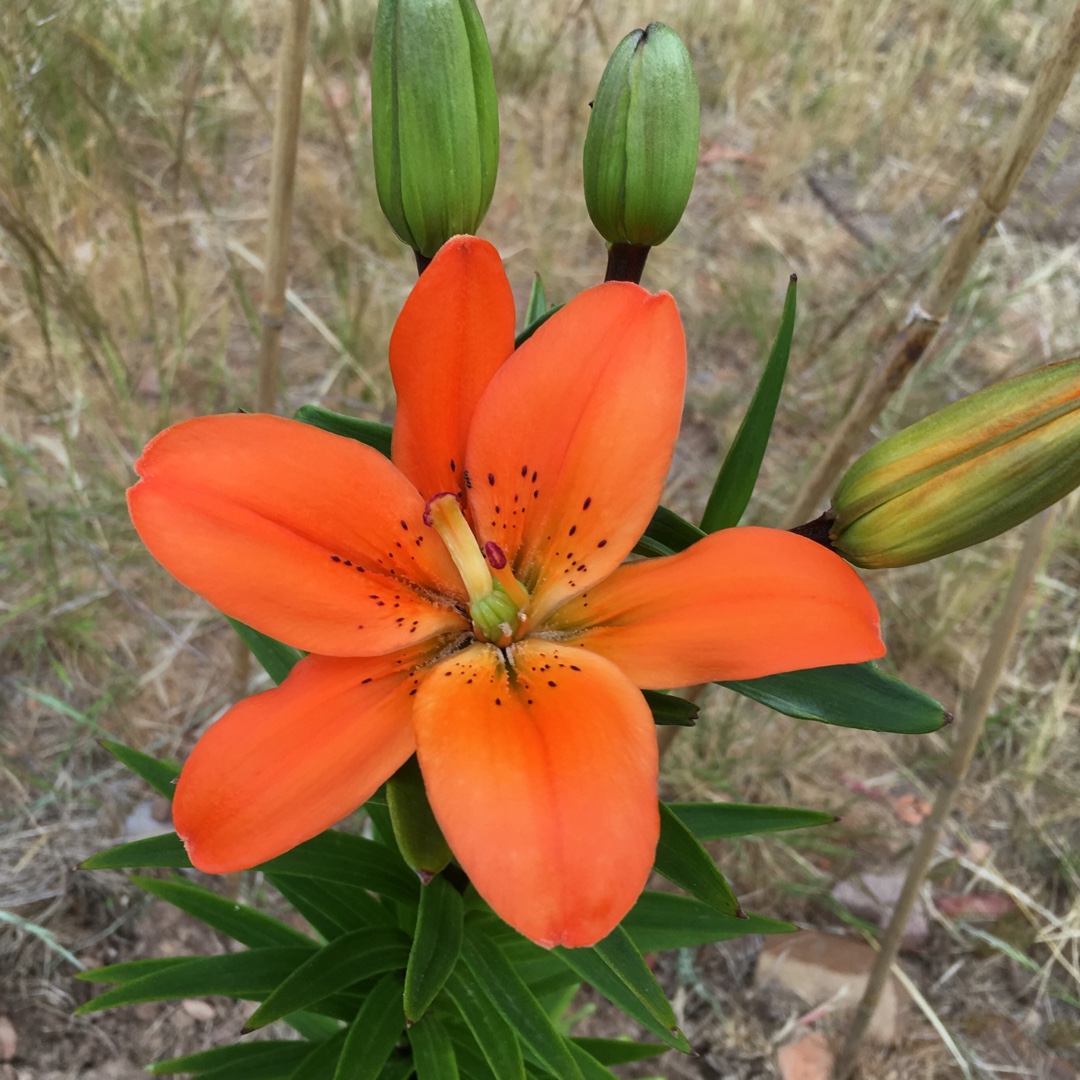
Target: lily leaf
[(532, 327), (515, 1001), (433, 1050), (848, 695), (714, 821), (332, 908), (240, 922), (494, 1035), (661, 921), (337, 965), (683, 861), (369, 432), (160, 775), (537, 304), (616, 968), (671, 710), (165, 850), (246, 1058), (374, 1033), (277, 658), (738, 475), (619, 1051), (667, 533), (436, 945)]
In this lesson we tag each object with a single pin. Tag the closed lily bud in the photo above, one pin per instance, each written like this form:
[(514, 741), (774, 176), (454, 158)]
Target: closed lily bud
[(642, 144), (418, 836), (965, 473), (434, 119)]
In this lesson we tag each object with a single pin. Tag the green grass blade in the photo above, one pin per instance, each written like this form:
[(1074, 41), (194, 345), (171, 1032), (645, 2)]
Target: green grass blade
[(715, 821), (683, 861), (337, 965), (739, 472), (848, 695), (436, 945)]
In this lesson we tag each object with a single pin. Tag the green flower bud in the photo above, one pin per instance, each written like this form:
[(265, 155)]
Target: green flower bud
[(418, 836), (641, 149), (965, 473), (434, 119)]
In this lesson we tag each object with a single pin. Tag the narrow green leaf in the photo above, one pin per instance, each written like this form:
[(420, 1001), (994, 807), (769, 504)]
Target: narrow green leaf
[(671, 710), (351, 860), (496, 1037), (848, 695), (683, 861), (129, 970), (667, 533), (661, 921), (321, 1063), (537, 304), (277, 658), (378, 436), (166, 850), (399, 1067), (246, 1058), (516, 1003), (330, 907), (337, 965), (619, 1051), (615, 968), (160, 775), (251, 975), (436, 945), (374, 1033), (240, 922), (591, 1069), (433, 1050), (738, 475), (314, 1027), (714, 821), (532, 327)]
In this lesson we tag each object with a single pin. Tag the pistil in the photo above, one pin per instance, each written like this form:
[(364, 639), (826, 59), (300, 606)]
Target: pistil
[(494, 613)]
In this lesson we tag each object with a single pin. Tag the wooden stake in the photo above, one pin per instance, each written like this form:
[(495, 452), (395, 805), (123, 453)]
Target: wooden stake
[(928, 314), (973, 717), (291, 61)]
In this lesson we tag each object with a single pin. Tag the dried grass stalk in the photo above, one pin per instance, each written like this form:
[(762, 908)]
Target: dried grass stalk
[(928, 314)]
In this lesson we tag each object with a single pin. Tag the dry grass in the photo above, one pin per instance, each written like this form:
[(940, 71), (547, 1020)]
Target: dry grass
[(839, 139)]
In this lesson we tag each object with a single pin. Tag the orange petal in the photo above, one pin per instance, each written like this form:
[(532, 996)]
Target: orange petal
[(739, 604), (281, 766), (306, 536), (454, 332), (572, 440), (544, 784)]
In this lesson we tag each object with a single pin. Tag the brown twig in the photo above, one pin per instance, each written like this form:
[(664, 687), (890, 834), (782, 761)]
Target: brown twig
[(291, 60), (928, 315), (968, 731)]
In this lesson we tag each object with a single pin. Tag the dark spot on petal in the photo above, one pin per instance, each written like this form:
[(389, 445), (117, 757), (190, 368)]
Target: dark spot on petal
[(498, 701), (573, 529), (587, 503), (336, 558), (524, 470), (574, 667), (491, 479), (405, 525), (534, 477), (367, 680), (453, 466), (602, 543), (551, 682)]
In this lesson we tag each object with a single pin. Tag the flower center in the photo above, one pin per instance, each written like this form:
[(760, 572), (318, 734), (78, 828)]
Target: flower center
[(496, 604)]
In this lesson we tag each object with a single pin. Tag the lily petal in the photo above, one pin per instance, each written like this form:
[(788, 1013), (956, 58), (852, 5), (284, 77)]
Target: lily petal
[(572, 440), (454, 332), (306, 536), (282, 766), (544, 783), (739, 604)]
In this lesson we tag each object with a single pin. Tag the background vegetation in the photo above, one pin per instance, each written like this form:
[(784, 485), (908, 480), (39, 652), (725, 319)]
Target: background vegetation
[(840, 140)]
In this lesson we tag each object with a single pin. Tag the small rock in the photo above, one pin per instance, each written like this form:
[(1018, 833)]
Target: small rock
[(146, 1011), (808, 1058), (141, 823), (873, 897), (975, 905), (9, 1040), (824, 968), (199, 1010)]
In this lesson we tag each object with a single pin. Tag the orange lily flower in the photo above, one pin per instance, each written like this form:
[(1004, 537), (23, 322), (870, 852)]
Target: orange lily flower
[(466, 602)]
